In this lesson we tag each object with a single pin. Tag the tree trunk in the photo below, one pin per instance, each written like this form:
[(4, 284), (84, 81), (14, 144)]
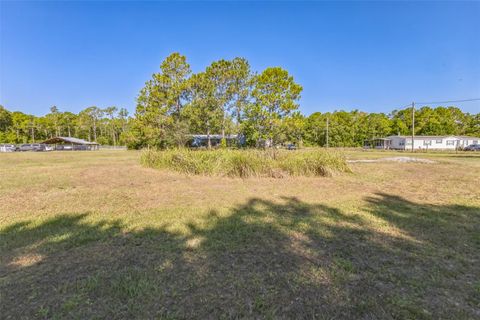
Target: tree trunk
[(94, 130), (223, 126), (271, 133), (179, 107), (238, 116), (209, 143)]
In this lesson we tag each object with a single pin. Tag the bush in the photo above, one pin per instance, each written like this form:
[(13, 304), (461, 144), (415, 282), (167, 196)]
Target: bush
[(247, 163)]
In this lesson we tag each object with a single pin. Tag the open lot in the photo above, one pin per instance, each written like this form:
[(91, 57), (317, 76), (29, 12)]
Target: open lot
[(95, 235)]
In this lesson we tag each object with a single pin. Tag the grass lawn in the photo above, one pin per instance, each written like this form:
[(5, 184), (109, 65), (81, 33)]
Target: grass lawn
[(96, 235)]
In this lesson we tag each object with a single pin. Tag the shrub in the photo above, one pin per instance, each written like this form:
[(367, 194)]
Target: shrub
[(313, 163), (247, 163)]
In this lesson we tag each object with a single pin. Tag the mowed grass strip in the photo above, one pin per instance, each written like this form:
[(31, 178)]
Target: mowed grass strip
[(118, 240), (247, 163)]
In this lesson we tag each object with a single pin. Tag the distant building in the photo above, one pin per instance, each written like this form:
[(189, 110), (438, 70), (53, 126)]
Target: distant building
[(421, 142), (69, 143), (201, 140)]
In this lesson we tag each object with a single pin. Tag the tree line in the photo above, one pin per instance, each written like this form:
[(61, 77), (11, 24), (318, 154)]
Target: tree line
[(351, 129), (106, 126), (228, 98)]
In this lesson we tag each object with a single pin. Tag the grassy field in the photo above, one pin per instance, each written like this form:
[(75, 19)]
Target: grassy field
[(96, 235)]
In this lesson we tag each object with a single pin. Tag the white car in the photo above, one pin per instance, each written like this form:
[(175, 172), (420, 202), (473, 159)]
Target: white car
[(5, 147)]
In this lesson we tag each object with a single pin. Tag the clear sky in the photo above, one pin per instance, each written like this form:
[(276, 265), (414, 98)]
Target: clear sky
[(373, 56)]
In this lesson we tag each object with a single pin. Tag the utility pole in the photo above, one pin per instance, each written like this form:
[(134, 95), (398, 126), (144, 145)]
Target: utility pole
[(32, 128), (327, 132), (413, 124)]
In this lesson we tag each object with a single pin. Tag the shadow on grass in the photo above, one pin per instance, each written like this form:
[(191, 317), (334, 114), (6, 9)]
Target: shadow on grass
[(285, 259)]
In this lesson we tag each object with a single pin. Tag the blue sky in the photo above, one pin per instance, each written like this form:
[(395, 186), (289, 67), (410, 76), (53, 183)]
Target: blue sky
[(373, 56)]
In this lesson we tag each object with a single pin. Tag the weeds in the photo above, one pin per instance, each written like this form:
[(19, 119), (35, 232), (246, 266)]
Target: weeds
[(247, 163)]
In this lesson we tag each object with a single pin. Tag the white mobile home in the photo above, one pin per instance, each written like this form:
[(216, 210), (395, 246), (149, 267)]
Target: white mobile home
[(431, 142)]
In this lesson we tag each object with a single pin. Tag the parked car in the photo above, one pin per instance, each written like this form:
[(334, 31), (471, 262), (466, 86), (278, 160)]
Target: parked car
[(26, 147), (33, 147), (472, 147), (291, 146), (5, 147), (66, 147)]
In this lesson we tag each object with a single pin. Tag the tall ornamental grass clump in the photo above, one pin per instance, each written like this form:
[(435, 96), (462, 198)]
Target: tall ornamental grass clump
[(247, 163), (313, 163)]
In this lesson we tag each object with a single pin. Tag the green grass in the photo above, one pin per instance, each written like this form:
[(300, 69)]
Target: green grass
[(247, 163), (96, 235)]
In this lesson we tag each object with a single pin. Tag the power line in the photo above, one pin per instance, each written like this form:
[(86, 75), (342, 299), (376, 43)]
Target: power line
[(450, 101), (407, 106)]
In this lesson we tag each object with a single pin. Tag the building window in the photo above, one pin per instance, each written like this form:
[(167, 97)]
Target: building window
[(475, 142), (438, 141), (427, 142), (450, 143), (402, 143)]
